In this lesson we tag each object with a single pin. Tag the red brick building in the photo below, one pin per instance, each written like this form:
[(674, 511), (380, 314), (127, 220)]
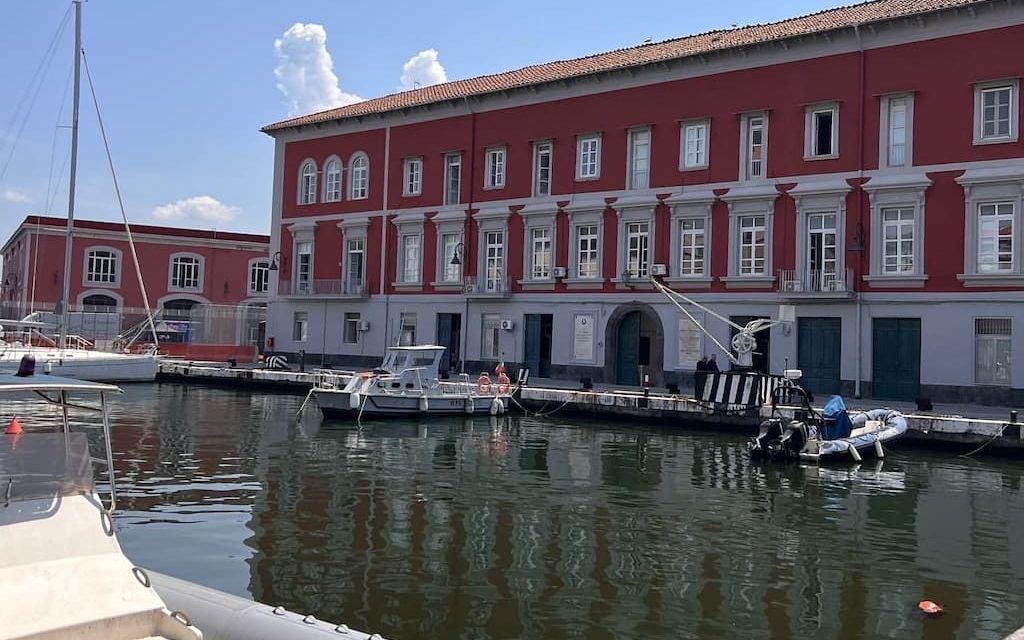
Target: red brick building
[(854, 163)]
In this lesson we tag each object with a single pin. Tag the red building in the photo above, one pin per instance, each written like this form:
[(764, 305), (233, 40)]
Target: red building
[(854, 164), (183, 270)]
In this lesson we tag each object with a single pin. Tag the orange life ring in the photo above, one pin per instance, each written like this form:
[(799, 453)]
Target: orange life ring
[(503, 383), (483, 384)]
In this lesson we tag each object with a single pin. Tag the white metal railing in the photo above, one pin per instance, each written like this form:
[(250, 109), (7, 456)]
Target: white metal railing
[(815, 282), (323, 286), (496, 287)]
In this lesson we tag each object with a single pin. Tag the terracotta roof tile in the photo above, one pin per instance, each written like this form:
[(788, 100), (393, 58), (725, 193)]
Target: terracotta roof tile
[(830, 19)]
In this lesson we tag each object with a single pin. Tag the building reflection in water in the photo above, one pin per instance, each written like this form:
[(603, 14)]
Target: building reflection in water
[(512, 528)]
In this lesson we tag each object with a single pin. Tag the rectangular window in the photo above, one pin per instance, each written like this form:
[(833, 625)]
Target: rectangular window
[(897, 143), (300, 326), (355, 248), (639, 158), (410, 258), (102, 267), (185, 273), (259, 277), (587, 251), (822, 257), (449, 246), (413, 177), (303, 267), (995, 237), (695, 145), (691, 247), (495, 174), (822, 126), (540, 253), (898, 240), (351, 328), (752, 246), (494, 255), (992, 349), (996, 117), (452, 178), (542, 169), (637, 241), (755, 148), (490, 330), (588, 164), (407, 337)]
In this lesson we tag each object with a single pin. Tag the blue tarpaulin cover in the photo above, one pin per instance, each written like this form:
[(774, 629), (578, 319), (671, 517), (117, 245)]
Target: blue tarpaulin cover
[(837, 421)]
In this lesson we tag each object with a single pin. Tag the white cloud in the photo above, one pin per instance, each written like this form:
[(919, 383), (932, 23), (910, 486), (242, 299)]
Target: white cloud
[(422, 70), (305, 72), (10, 195), (198, 209)]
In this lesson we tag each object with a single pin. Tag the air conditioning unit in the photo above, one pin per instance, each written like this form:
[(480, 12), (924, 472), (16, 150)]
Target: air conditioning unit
[(659, 270), (508, 325), (469, 288), (364, 325), (559, 272), (792, 286)]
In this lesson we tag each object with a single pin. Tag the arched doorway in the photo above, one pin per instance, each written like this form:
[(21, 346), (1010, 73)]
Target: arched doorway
[(178, 309), (635, 345), (99, 303)]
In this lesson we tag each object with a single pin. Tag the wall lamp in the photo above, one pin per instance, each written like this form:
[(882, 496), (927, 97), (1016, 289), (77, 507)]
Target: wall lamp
[(457, 255), (273, 261)]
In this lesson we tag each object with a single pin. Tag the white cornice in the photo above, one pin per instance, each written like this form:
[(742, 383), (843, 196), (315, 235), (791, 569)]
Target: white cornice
[(829, 186), (757, 191), (884, 182)]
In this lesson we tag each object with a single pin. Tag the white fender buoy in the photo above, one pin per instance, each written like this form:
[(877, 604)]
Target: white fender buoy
[(353, 401), (497, 408), (470, 405), (854, 453), (878, 449), (424, 404)]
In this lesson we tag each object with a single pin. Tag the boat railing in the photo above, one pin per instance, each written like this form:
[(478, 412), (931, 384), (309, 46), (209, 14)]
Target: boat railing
[(332, 379)]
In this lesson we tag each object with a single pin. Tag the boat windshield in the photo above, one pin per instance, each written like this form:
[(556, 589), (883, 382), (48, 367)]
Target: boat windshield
[(44, 465), (398, 360)]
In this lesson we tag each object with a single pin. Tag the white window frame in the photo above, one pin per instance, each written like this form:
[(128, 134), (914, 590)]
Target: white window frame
[(449, 242), (700, 156), (692, 238), (643, 248), (115, 278), (811, 122), (579, 220), (495, 264), (592, 160), (907, 193), (637, 176), (761, 203), (999, 342), (690, 207), (407, 328), (490, 336), (904, 220), (412, 176), (746, 149), (540, 150), (351, 320), (453, 159), (494, 174), (984, 186), (410, 258), (535, 220), (359, 176), (449, 226), (332, 179), (307, 182), (256, 266), (300, 326), (298, 284), (983, 88), (885, 131), (998, 210), (540, 241), (200, 264)]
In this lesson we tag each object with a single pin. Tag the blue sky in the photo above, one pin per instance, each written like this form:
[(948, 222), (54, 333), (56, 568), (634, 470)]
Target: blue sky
[(185, 85)]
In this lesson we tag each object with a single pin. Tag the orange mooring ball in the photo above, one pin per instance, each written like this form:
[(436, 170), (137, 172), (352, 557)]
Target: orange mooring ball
[(929, 607)]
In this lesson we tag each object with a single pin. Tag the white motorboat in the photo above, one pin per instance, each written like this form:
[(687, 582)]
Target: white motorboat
[(62, 571), (407, 383)]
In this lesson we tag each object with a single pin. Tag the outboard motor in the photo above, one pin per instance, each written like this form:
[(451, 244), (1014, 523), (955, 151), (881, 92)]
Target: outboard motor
[(27, 367)]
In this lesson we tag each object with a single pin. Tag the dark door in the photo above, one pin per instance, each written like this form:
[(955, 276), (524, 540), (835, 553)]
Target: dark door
[(818, 349), (449, 333), (537, 350), (896, 358), (760, 357), (627, 356)]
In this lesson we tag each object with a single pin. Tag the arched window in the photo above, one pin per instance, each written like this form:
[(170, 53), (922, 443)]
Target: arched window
[(332, 180), (99, 303), (359, 177), (186, 271), (101, 266), (307, 183)]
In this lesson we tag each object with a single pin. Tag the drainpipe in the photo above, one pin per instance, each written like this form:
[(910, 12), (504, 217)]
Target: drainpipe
[(465, 231), (860, 210), (384, 235)]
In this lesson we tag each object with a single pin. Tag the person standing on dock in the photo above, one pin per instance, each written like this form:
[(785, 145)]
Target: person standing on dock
[(700, 376), (713, 364)]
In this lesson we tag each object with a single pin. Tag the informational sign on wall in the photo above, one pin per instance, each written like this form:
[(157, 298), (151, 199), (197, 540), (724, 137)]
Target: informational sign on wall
[(691, 340), (583, 337)]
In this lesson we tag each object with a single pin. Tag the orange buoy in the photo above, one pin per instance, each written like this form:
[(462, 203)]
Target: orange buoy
[(929, 607), (13, 428)]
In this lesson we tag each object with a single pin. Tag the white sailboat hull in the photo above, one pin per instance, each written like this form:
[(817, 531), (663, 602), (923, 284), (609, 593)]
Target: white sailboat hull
[(84, 364)]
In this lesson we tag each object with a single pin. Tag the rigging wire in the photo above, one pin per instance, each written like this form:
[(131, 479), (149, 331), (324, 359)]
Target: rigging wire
[(120, 200), (28, 99)]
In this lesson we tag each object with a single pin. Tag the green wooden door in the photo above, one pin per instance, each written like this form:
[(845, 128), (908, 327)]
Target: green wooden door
[(896, 358), (449, 327), (818, 354), (537, 347), (627, 356)]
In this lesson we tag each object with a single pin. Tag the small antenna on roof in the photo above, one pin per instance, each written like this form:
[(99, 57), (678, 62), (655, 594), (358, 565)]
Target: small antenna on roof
[(649, 39)]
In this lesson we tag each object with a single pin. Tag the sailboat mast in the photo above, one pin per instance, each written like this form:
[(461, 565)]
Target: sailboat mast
[(66, 292)]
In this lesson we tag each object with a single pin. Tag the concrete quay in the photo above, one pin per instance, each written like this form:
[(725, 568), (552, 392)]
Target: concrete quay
[(959, 426)]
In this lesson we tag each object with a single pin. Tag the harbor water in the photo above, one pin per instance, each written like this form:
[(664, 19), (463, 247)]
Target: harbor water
[(553, 527)]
